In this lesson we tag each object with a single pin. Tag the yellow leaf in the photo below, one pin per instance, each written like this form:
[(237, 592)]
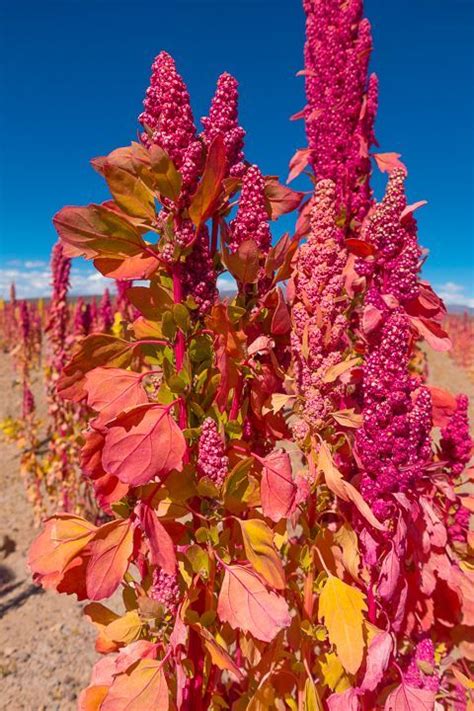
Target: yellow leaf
[(261, 553), (340, 609), (333, 673), (312, 702), (125, 629), (279, 401)]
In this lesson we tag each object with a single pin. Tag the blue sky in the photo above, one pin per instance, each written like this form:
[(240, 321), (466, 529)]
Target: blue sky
[(73, 74)]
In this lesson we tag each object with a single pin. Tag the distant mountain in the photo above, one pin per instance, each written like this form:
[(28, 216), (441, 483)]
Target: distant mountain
[(459, 309)]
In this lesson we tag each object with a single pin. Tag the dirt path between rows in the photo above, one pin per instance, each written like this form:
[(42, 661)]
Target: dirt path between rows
[(46, 647)]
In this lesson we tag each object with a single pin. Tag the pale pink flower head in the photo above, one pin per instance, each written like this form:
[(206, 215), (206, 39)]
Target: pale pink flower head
[(318, 310)]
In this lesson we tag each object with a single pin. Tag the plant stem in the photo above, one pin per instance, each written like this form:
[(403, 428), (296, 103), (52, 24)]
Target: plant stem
[(179, 345)]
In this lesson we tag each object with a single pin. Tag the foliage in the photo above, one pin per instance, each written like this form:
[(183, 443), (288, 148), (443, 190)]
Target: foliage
[(284, 528)]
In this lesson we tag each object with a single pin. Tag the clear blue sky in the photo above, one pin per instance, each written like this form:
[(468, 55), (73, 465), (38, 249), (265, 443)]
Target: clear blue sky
[(73, 74)]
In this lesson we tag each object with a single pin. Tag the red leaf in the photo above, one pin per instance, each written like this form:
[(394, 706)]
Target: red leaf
[(111, 390), (282, 199), (244, 263), (303, 221), (360, 247), (432, 332), (107, 488), (444, 405), (387, 162), (407, 698), (281, 322), (143, 443), (348, 700), (410, 209), (110, 552), (206, 197), (378, 657), (371, 318), (162, 551), (389, 575), (246, 604), (278, 490), (298, 163), (299, 114)]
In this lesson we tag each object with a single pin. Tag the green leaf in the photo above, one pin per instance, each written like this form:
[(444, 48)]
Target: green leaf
[(163, 175), (97, 231), (129, 192)]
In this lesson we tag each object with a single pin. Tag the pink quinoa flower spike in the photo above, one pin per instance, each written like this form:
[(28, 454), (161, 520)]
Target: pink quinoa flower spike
[(251, 221), (223, 119), (169, 117)]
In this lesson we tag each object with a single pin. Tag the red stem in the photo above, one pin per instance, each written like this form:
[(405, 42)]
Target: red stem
[(234, 410), (371, 600), (179, 345), (214, 233)]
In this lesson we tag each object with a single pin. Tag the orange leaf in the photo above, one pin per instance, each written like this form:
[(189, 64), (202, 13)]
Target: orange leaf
[(96, 350), (143, 687), (444, 405), (64, 536), (143, 443), (162, 175), (246, 604), (91, 698), (386, 162), (138, 266), (111, 390), (219, 656), (110, 552), (100, 616)]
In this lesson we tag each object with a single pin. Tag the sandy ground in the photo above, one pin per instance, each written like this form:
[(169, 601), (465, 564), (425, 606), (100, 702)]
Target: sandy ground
[(46, 647)]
